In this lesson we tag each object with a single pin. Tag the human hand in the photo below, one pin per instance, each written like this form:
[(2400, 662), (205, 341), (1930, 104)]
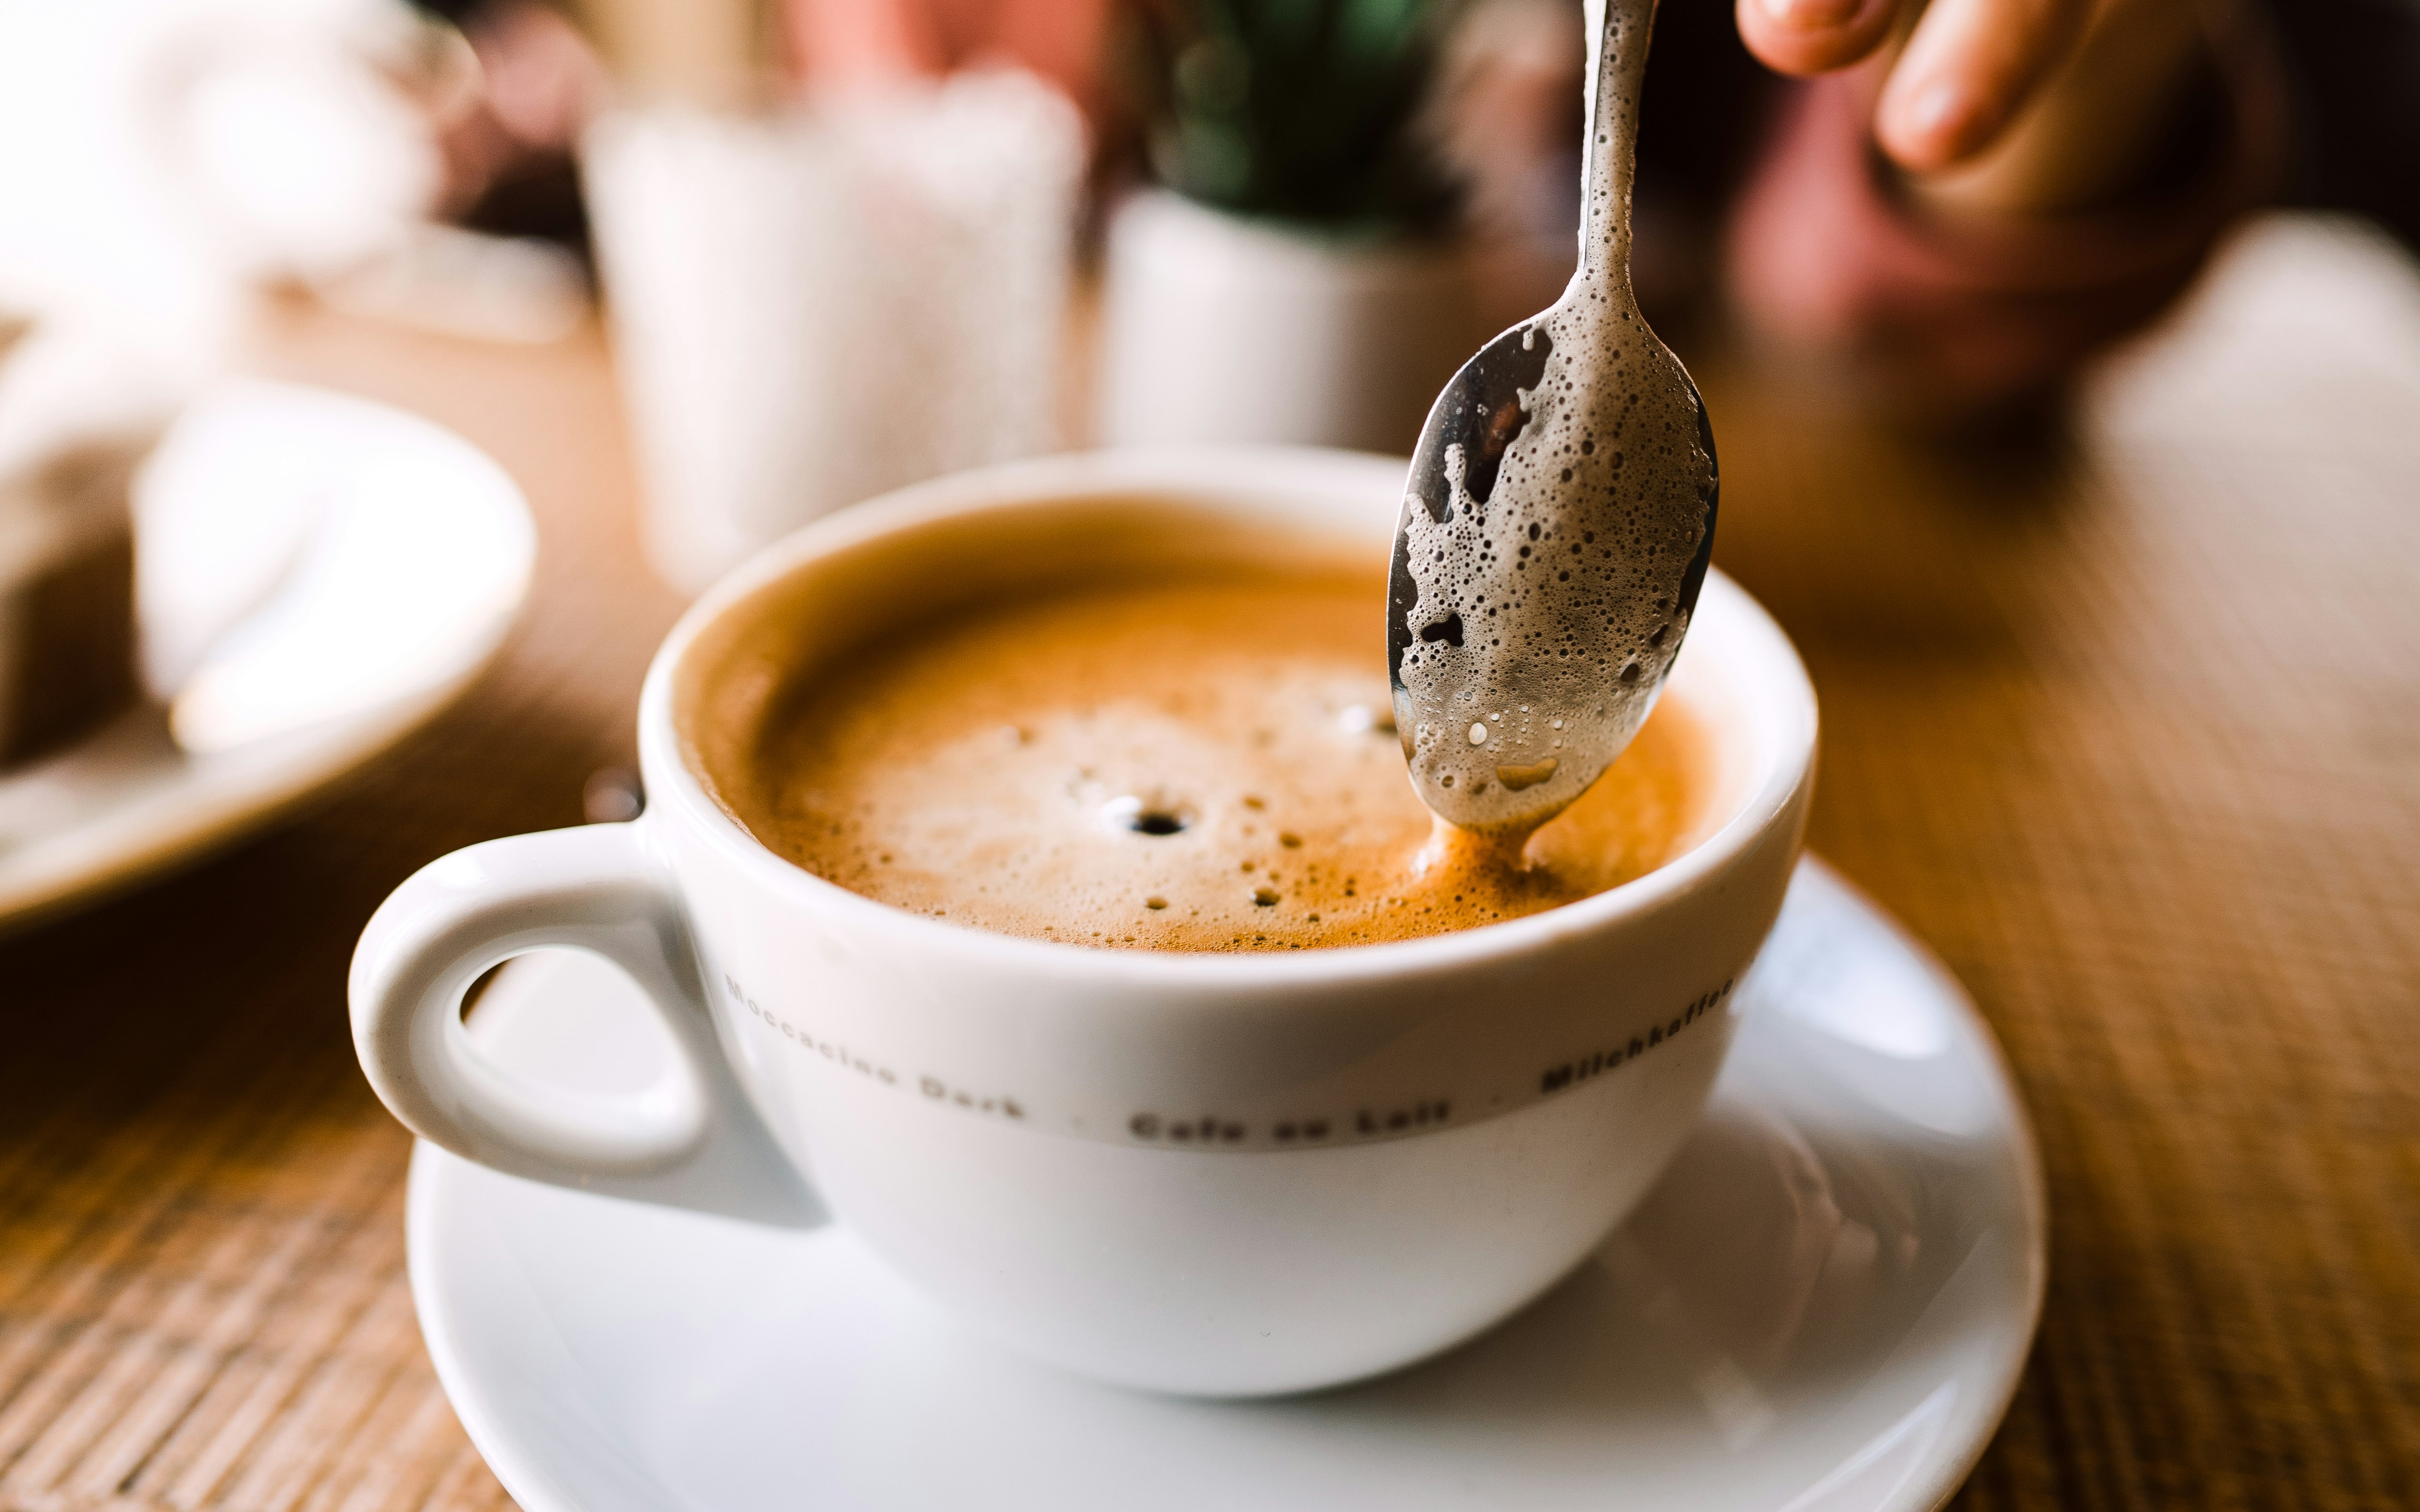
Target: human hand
[(1964, 74), (2065, 167)]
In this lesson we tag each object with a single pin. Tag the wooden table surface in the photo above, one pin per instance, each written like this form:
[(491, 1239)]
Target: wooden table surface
[(2128, 729)]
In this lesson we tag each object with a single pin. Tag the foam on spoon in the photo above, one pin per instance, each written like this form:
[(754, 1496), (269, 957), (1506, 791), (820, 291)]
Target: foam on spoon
[(1557, 522)]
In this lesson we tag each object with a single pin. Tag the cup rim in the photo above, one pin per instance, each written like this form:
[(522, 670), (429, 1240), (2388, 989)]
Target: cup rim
[(1776, 675)]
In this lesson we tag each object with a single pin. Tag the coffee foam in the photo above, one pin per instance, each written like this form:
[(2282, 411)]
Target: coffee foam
[(1197, 763), (1563, 588)]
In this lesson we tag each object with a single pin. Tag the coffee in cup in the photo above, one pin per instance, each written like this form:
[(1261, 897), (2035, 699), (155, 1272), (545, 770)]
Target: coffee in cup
[(1199, 763)]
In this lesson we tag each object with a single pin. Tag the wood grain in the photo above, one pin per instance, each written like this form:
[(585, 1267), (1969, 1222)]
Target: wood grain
[(2127, 726)]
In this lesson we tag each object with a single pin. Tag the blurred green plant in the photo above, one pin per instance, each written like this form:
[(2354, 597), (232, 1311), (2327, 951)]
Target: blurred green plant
[(1313, 110)]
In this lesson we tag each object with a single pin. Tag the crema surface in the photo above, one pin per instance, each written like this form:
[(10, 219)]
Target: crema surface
[(1198, 764)]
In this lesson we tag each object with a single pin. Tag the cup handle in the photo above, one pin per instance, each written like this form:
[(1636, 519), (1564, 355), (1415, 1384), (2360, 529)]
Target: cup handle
[(691, 1140)]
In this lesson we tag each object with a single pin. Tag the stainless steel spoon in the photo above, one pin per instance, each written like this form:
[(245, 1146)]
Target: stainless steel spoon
[(1559, 518)]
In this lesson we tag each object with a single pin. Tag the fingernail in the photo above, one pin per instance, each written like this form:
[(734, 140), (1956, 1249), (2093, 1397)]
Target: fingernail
[(1812, 15), (1938, 115)]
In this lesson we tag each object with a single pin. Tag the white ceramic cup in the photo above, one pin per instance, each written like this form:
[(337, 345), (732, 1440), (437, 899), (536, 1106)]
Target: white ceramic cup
[(1213, 1174)]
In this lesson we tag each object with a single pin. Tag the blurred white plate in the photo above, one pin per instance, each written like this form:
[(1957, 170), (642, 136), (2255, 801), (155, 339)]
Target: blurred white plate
[(1824, 1307), (319, 574)]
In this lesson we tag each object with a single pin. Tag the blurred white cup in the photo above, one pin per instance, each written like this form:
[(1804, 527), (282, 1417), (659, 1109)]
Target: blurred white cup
[(1224, 329), (813, 307)]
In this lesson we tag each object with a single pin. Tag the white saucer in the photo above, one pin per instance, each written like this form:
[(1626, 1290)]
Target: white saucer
[(1824, 1306), (319, 575)]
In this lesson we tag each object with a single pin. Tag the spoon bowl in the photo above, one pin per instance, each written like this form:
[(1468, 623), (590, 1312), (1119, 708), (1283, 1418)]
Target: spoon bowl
[(1558, 520)]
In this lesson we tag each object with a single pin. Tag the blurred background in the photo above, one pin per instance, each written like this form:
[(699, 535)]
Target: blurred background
[(841, 245), (376, 382)]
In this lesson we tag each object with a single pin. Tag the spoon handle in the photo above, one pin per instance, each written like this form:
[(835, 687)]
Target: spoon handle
[(1616, 70)]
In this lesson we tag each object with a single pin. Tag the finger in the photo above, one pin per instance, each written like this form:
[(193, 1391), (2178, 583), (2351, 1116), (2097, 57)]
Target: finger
[(1814, 36), (1967, 72)]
